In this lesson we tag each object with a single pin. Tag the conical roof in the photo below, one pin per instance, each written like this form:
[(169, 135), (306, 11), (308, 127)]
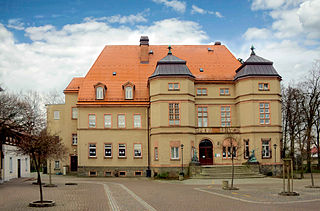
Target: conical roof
[(171, 66), (256, 66)]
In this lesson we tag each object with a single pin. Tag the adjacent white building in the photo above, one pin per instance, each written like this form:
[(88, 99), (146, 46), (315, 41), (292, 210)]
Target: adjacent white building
[(14, 165)]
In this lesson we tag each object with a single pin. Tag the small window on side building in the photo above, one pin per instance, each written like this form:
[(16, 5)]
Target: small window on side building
[(56, 115)]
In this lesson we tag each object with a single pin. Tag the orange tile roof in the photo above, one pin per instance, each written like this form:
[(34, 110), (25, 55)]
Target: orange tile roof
[(74, 85), (218, 64)]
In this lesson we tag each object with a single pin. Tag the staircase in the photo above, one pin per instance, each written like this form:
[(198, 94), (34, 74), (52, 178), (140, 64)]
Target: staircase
[(225, 172)]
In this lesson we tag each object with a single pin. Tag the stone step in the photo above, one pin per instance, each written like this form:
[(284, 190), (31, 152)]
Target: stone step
[(227, 176)]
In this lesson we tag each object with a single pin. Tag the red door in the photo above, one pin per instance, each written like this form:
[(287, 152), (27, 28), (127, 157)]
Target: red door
[(205, 152)]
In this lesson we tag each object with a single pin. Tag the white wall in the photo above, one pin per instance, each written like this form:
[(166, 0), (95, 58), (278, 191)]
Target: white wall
[(10, 152)]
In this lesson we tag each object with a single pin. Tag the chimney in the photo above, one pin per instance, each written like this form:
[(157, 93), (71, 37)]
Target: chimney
[(144, 50)]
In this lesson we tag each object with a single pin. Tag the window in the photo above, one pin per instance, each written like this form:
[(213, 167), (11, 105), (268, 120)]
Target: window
[(137, 150), (121, 121), (246, 149), (92, 150), (56, 164), (264, 113), (128, 93), (137, 120), (201, 91), (156, 153), (122, 173), (74, 139), (174, 86), (92, 173), (174, 152), (174, 114), (108, 150), (107, 174), (224, 91), (225, 116), (92, 120), (107, 121), (56, 115), (138, 173), (122, 150), (266, 152), (74, 113), (202, 116), (226, 152), (99, 93), (10, 165), (263, 87), (26, 160)]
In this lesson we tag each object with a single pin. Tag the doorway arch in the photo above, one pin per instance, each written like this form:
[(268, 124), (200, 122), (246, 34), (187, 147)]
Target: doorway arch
[(206, 152)]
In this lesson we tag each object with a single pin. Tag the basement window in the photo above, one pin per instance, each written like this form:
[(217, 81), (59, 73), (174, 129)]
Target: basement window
[(92, 173)]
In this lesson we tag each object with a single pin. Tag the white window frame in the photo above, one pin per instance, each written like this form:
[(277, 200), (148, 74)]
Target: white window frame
[(120, 148), (137, 120), (107, 147), (266, 151), (74, 139), (107, 120), (74, 113), (137, 149), (175, 153), (92, 121), (202, 116), (156, 153), (10, 165), (56, 115), (56, 164), (99, 93), (93, 147), (174, 114), (129, 93), (225, 115), (26, 162), (121, 122)]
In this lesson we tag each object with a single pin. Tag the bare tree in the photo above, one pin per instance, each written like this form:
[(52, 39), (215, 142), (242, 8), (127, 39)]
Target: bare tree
[(233, 146), (41, 147)]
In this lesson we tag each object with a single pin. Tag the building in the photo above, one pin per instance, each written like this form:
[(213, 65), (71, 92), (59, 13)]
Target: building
[(13, 164), (138, 104)]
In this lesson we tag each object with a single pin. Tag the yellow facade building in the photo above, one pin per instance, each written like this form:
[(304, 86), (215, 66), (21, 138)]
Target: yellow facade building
[(138, 105)]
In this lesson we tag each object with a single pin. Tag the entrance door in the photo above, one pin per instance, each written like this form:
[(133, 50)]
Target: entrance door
[(19, 168), (74, 163), (205, 152)]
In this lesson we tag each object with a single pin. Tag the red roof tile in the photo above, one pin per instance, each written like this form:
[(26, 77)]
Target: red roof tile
[(218, 64)]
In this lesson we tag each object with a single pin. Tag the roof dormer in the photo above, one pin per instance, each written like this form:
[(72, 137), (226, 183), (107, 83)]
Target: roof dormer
[(128, 88), (100, 90)]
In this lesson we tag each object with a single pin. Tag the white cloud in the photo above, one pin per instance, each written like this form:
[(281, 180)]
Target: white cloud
[(131, 19), (273, 4), (179, 6), (256, 33), (199, 10), (15, 24), (55, 56)]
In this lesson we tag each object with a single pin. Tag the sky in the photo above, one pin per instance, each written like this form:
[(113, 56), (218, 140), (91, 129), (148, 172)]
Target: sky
[(45, 43)]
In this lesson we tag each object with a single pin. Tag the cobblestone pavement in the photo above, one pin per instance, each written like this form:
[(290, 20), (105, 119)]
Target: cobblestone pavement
[(147, 194)]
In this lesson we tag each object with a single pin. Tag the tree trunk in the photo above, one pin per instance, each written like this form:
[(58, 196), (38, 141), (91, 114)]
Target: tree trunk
[(308, 150), (301, 167), (232, 174), (311, 174), (39, 177), (50, 172)]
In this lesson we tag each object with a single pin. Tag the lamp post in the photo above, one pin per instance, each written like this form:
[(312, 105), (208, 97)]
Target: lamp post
[(275, 157), (182, 159)]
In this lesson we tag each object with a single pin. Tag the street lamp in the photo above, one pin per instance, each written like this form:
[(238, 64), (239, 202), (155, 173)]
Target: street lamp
[(182, 159), (275, 158)]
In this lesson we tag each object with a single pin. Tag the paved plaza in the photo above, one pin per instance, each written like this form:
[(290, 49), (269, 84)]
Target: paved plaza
[(148, 194)]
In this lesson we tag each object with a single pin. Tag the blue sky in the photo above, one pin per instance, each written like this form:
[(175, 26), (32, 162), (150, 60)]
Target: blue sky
[(50, 41)]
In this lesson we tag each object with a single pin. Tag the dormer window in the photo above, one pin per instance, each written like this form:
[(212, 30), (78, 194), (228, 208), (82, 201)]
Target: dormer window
[(100, 89), (99, 93), (128, 90), (128, 93)]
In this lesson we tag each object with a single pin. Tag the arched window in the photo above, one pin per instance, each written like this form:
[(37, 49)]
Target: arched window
[(128, 93), (99, 93)]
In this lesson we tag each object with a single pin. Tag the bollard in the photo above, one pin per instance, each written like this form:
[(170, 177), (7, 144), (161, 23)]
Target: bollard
[(225, 184)]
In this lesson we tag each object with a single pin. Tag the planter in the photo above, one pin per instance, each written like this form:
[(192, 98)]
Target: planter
[(50, 185), (45, 203), (71, 183)]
